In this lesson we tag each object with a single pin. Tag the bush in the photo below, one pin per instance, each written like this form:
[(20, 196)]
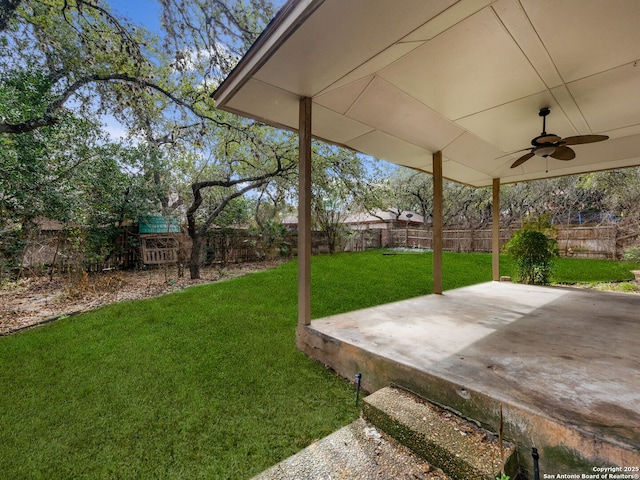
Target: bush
[(533, 253), (12, 245), (632, 254)]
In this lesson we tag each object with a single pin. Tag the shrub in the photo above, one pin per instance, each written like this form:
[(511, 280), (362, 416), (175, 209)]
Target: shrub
[(632, 254), (533, 254), (12, 245)]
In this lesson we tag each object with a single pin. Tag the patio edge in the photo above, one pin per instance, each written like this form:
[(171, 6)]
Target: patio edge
[(564, 449)]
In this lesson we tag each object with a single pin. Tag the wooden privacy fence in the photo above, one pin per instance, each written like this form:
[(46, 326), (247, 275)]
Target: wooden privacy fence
[(596, 241), (364, 240), (54, 248), (230, 246), (453, 240), (236, 246), (589, 242)]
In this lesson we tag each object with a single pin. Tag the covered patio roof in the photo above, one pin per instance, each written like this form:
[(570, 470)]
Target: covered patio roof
[(402, 80)]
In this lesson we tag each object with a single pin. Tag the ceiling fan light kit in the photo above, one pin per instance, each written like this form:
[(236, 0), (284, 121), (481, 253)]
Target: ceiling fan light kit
[(551, 145), (544, 151)]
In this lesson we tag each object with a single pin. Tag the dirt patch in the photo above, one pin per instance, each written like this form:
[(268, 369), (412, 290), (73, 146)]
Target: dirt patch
[(34, 301)]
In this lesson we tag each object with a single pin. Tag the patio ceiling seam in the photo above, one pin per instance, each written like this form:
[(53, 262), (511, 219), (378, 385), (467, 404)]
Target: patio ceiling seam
[(358, 97)]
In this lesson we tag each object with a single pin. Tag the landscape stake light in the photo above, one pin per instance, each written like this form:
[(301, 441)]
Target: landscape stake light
[(358, 380)]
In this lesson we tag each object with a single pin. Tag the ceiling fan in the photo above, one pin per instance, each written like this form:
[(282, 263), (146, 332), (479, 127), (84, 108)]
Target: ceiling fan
[(551, 145)]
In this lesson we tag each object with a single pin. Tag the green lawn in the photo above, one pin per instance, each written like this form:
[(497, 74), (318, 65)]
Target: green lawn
[(204, 383), (576, 270)]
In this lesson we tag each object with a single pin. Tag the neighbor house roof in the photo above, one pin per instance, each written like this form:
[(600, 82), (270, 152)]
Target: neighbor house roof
[(400, 80)]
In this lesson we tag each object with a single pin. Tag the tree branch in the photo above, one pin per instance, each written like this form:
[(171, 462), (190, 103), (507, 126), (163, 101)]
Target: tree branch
[(254, 181), (225, 201), (50, 116), (7, 9)]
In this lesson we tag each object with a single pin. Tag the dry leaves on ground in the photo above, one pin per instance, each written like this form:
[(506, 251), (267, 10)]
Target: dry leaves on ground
[(36, 300)]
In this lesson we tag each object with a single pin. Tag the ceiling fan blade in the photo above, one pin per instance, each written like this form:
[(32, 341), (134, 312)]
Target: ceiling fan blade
[(522, 159), (563, 153), (515, 151), (580, 139)]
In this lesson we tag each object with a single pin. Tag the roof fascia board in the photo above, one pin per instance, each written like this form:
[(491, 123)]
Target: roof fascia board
[(288, 19)]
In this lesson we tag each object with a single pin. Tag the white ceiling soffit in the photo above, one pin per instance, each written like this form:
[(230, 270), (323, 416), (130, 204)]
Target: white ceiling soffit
[(402, 80)]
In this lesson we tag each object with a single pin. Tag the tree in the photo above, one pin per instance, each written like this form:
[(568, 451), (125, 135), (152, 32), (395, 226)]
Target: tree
[(273, 201), (463, 206), (208, 37), (341, 183), (72, 52), (86, 58), (238, 161), (620, 198), (78, 55), (7, 9), (72, 173), (411, 190)]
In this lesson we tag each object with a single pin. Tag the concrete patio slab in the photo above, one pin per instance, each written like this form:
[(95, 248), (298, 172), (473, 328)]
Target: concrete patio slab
[(563, 362)]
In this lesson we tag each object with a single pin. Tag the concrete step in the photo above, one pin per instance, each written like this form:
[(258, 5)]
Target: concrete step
[(355, 452), (459, 447)]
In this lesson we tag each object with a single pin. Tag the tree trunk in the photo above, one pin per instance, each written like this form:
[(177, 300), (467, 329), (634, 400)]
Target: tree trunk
[(331, 239), (194, 262)]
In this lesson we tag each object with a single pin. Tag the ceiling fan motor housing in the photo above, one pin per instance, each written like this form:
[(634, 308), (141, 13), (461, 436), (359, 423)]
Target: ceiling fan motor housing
[(545, 139)]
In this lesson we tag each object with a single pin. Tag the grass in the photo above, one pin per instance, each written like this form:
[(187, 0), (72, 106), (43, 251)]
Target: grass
[(204, 383), (576, 270)]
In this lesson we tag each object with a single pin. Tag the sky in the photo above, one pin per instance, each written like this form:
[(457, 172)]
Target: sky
[(147, 12)]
